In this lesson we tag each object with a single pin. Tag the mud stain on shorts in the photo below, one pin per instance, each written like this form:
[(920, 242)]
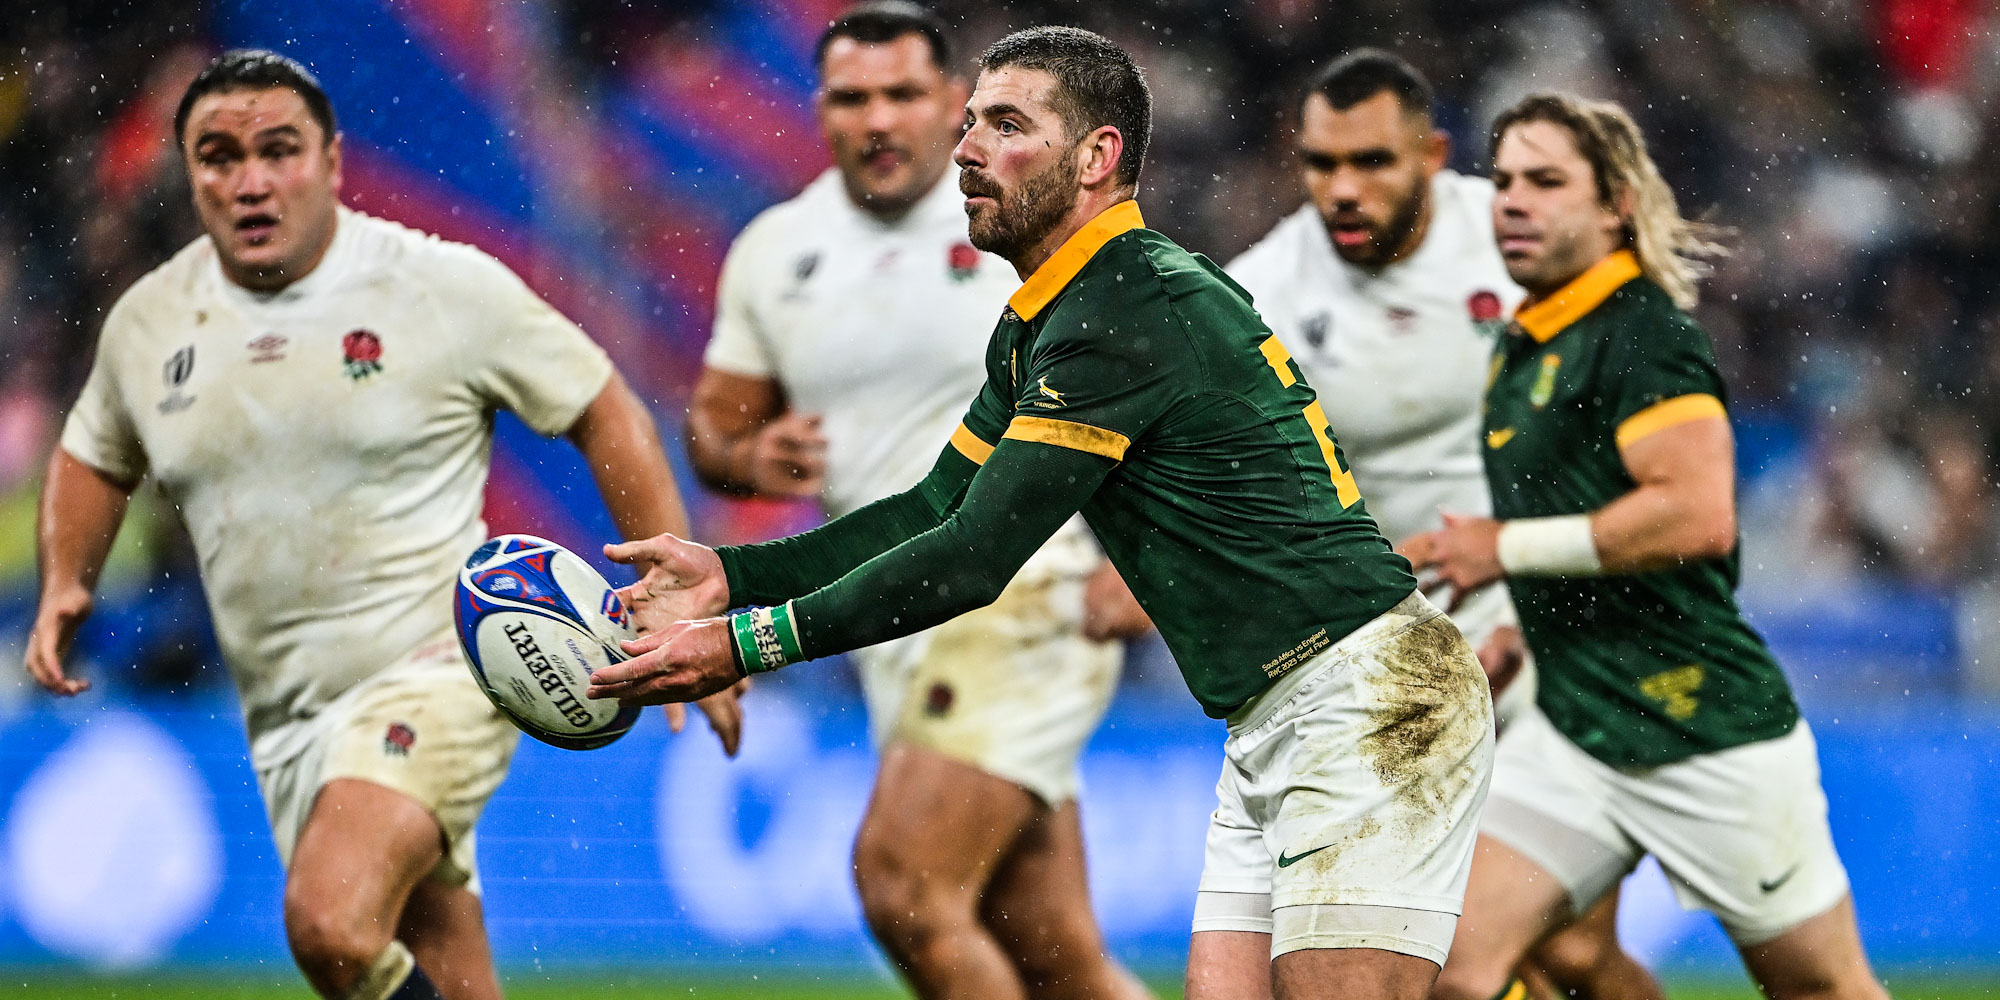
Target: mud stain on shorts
[(1428, 721)]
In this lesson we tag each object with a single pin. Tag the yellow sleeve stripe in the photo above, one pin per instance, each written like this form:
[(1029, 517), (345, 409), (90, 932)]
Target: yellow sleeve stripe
[(1669, 413), (969, 445), (1277, 357), (1070, 434)]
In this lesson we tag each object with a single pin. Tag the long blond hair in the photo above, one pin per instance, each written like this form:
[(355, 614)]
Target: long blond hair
[(1673, 251)]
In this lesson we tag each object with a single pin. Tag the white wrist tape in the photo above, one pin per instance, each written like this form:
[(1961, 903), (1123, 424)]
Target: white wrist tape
[(1549, 546)]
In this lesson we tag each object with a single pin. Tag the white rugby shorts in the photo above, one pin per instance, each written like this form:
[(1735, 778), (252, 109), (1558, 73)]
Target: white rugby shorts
[(1741, 832), (421, 727), (1013, 689), (1350, 794)]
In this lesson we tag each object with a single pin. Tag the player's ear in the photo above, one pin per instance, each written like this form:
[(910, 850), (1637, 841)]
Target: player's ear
[(333, 161), (1437, 150), (1097, 156)]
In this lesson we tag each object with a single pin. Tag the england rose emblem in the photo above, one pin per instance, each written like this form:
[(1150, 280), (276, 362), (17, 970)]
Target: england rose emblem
[(962, 261), (1485, 308), (364, 354)]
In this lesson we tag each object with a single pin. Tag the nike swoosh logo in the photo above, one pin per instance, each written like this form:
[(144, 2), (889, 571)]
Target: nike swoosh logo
[(1499, 438), (1285, 862), (1771, 885)]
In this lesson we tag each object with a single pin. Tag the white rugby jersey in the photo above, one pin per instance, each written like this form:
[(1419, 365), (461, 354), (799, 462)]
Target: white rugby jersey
[(879, 327), (1399, 357), (327, 444)]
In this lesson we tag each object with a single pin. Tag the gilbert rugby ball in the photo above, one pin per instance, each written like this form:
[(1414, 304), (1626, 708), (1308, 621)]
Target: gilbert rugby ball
[(535, 620)]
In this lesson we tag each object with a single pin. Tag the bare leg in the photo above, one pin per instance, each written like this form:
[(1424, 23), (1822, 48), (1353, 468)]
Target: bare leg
[(1585, 961), (1356, 973), (935, 832), (362, 850), (1510, 904), (445, 928), (1229, 965), (1820, 959), (1038, 906)]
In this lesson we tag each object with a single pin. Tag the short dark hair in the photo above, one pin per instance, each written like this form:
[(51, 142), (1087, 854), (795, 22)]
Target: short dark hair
[(879, 21), (1363, 73), (255, 69), (1097, 84)]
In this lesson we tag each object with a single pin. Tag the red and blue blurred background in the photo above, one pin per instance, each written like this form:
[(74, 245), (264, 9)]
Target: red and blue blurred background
[(607, 151)]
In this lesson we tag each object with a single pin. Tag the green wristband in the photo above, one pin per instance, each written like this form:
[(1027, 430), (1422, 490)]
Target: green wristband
[(765, 638)]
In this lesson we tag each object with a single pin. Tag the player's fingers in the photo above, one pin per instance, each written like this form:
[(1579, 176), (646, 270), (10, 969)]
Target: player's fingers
[(44, 662), (677, 717), (641, 646), (725, 716), (653, 549)]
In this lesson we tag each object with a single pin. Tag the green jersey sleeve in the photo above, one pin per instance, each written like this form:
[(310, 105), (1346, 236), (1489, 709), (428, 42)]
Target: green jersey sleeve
[(1665, 377)]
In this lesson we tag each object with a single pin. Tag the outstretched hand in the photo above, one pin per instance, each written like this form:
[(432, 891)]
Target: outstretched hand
[(681, 581), (686, 661)]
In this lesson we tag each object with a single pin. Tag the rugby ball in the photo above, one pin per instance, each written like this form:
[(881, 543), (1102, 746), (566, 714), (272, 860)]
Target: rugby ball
[(535, 621)]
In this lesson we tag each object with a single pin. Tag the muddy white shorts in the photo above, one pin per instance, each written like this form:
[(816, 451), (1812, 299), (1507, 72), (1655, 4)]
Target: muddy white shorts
[(421, 727), (1350, 794), (1741, 832), (1013, 688)]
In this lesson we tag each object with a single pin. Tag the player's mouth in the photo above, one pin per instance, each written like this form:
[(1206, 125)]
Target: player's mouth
[(1518, 243), (256, 230), (978, 191), (883, 159), (1351, 232)]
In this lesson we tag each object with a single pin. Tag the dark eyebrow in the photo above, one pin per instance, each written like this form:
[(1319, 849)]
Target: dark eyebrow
[(276, 131), (1004, 110)]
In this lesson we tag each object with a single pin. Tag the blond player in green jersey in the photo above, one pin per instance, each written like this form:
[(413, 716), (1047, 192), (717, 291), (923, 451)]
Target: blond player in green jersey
[(1663, 725)]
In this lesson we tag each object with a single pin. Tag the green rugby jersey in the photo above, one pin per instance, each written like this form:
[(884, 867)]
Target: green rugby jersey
[(1231, 513), (1638, 669)]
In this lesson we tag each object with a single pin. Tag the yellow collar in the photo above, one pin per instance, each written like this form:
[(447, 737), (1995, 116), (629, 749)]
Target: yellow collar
[(1055, 274), (1587, 291)]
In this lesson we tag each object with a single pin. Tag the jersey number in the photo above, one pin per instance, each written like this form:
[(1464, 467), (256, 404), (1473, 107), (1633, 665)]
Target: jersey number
[(1343, 480)]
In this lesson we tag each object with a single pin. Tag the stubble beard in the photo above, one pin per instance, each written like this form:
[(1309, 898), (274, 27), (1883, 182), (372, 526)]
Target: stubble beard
[(1392, 234), (1020, 223)]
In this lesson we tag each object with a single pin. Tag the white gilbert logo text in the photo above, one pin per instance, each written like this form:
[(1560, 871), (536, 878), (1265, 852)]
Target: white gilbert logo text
[(547, 676)]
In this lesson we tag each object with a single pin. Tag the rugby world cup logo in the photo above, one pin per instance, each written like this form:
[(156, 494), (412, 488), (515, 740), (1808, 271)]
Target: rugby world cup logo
[(363, 351), (614, 609)]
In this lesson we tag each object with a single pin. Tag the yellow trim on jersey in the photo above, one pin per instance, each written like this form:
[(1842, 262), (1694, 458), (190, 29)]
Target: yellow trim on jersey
[(1669, 413), (1053, 276), (1516, 990), (1278, 358), (969, 445), (1573, 301), (1070, 434)]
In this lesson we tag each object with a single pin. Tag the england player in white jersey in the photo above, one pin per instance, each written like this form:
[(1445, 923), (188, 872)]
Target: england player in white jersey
[(1387, 287), (314, 390), (849, 337)]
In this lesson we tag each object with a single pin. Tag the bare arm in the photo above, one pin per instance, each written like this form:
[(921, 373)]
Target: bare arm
[(79, 516), (745, 440), (619, 440), (621, 444), (1683, 510)]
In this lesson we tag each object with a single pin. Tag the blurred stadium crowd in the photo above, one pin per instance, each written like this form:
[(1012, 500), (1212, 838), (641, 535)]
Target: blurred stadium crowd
[(1849, 143)]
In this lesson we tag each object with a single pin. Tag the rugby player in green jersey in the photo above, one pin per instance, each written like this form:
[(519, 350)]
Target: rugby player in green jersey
[(1131, 380), (1662, 725)]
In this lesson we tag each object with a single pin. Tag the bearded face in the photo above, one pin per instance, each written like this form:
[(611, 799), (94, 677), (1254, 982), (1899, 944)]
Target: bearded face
[(1009, 222)]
